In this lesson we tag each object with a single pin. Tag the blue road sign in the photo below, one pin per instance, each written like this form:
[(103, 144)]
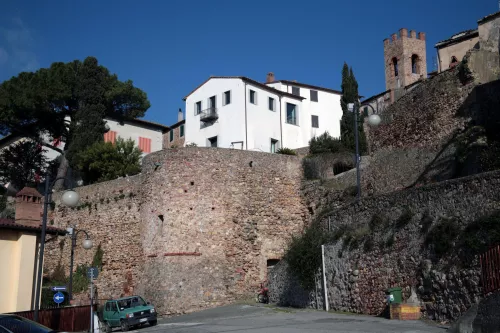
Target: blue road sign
[(58, 297), (61, 288), (92, 273)]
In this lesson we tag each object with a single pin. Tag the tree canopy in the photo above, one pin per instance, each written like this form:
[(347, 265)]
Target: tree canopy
[(325, 143), (21, 164), (104, 161), (39, 102), (350, 95)]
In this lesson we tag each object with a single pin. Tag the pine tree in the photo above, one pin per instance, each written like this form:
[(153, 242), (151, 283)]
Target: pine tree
[(350, 95)]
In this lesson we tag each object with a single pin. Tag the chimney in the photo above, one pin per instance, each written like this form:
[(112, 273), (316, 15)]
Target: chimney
[(29, 207), (270, 77), (180, 115)]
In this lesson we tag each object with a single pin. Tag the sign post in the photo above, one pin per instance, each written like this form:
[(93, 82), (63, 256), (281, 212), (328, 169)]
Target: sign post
[(92, 274)]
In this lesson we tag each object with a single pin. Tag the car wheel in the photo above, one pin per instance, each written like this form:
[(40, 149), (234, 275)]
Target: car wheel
[(153, 322), (124, 326), (107, 327)]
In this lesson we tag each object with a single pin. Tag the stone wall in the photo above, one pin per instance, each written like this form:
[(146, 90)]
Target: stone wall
[(198, 231), (392, 249)]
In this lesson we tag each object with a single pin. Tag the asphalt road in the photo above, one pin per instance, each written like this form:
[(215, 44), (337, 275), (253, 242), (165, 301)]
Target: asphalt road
[(262, 319)]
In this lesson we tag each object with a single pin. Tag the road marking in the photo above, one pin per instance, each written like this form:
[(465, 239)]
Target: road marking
[(180, 324)]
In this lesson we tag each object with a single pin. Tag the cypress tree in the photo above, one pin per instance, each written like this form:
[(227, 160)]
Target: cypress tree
[(350, 95)]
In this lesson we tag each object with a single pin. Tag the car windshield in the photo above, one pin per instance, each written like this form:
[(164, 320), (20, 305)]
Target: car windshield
[(17, 324), (131, 302)]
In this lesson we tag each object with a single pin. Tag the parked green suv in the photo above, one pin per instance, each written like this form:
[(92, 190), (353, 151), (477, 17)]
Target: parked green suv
[(127, 312)]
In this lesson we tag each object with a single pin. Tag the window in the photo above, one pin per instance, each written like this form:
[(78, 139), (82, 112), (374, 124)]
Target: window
[(291, 113), (253, 97), (213, 141), (145, 144), (212, 102), (227, 98), (314, 95), (182, 131), (395, 65), (110, 136), (114, 307), (271, 103), (171, 135), (108, 306), (197, 108), (414, 64), (315, 121), (453, 62), (296, 91), (274, 144)]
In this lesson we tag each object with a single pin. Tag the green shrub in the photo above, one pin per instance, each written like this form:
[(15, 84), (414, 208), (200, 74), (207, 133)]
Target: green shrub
[(483, 233), (405, 218), (442, 236), (304, 254), (192, 144), (325, 144), (379, 222), (426, 222), (286, 151)]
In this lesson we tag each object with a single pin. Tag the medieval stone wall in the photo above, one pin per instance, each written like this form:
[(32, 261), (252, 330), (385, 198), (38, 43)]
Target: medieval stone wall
[(392, 250), (197, 230)]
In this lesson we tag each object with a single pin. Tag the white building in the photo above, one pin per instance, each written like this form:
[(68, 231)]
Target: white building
[(237, 112)]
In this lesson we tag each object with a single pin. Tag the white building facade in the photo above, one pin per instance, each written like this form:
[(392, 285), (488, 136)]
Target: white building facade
[(240, 113)]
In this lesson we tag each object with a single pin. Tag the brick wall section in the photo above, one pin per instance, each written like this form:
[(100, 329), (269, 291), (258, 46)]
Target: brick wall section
[(237, 208), (427, 116), (358, 278), (178, 140), (110, 213), (198, 231), (402, 48)]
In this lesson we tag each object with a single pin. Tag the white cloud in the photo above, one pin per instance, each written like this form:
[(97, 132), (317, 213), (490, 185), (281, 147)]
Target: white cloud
[(17, 47)]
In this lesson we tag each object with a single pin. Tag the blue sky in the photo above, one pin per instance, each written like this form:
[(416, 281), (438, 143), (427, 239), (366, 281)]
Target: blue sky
[(168, 47)]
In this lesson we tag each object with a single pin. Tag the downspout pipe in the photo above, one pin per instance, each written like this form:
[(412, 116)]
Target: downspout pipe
[(281, 125), (246, 129)]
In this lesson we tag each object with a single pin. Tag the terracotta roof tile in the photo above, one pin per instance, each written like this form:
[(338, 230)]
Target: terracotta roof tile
[(29, 191), (11, 224)]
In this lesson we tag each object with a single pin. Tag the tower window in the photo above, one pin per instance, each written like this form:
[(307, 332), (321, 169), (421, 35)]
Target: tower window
[(395, 65), (415, 64), (453, 62)]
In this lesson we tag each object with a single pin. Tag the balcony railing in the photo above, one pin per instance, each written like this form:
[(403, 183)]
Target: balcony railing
[(209, 114)]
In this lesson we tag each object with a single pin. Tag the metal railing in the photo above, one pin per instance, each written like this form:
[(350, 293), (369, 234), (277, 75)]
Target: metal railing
[(209, 114), (490, 269)]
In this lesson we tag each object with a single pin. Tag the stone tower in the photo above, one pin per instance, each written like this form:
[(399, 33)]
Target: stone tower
[(405, 59), (29, 207)]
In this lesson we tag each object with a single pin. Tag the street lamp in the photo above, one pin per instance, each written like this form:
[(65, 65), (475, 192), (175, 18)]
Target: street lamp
[(70, 198), (374, 121), (87, 245)]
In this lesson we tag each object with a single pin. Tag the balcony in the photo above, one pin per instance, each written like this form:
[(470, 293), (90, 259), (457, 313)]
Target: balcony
[(209, 115)]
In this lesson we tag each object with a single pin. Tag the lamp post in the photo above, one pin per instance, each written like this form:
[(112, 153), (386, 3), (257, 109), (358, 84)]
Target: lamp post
[(374, 121), (70, 198), (87, 245)]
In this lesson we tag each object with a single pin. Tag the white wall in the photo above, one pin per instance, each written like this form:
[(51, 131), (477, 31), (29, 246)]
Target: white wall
[(230, 127), (133, 131), (262, 124)]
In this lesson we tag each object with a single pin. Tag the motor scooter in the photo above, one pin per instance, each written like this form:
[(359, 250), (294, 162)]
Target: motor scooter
[(263, 295)]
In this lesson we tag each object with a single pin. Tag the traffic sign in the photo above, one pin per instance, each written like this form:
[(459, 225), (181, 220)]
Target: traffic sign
[(92, 273), (61, 288), (58, 297)]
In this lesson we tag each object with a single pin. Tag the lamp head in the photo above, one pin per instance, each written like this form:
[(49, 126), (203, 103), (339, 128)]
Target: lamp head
[(70, 198), (87, 244), (374, 120)]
